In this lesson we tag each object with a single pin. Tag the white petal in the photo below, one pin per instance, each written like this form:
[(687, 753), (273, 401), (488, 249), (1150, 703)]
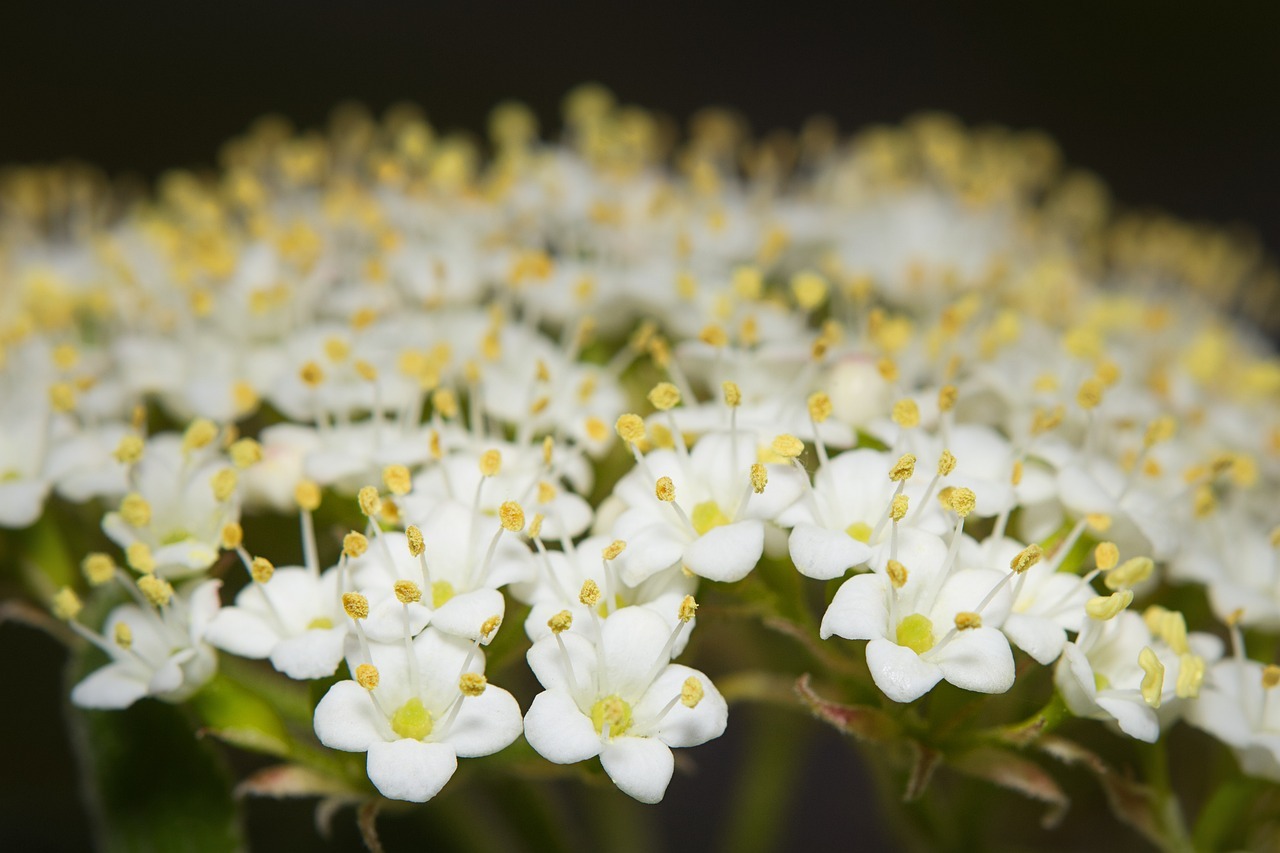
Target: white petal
[(726, 553), (641, 767), (558, 730), (112, 687), (346, 719), (242, 633), (899, 672), (463, 614), (1133, 715), (683, 726), (549, 665), (485, 723), (410, 769), (859, 610), (634, 639), (651, 548), (314, 654), (21, 502), (1039, 637), (825, 554), (978, 659)]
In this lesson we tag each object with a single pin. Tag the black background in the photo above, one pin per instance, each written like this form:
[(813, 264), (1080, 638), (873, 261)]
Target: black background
[(1174, 104)]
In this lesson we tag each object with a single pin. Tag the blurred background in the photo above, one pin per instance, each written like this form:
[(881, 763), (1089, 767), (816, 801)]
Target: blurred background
[(1172, 104)]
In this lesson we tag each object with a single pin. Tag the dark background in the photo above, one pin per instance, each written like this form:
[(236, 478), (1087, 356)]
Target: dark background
[(1174, 104)]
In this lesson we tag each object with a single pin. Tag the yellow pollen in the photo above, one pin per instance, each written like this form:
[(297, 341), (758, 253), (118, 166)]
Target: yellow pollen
[(906, 413), (1106, 555), (1099, 521), (904, 468), (1270, 676), (354, 544), (546, 492), (307, 495), (311, 374), (1015, 477), (759, 477), (664, 396), (888, 369), (66, 604), (946, 463), (62, 396), (490, 463), (123, 635), (244, 397), (261, 569), (414, 535), (1190, 676), (561, 622), (363, 318), (962, 501), (714, 335), (691, 692), (1046, 421), (630, 428), (787, 446), (1129, 573), (224, 484), (1153, 676), (732, 394), (445, 403), (1090, 394), (665, 489), (412, 720), (596, 429), (441, 593), (488, 626), (336, 349), (897, 573), (967, 620), (199, 434), (65, 356), (138, 556), (366, 371), (535, 526), (1160, 430), (98, 568), (1234, 617), (135, 510), (472, 684), (397, 479), (407, 592), (232, 536), (1205, 502), (355, 605), (512, 516), (747, 282), (548, 449), (611, 711), (1104, 607), (367, 676), (155, 590), (916, 633), (947, 398), (1026, 558), (1107, 372), (245, 452), (688, 607), (898, 508), (589, 595), (1275, 536), (819, 406), (433, 445), (129, 450), (615, 548)]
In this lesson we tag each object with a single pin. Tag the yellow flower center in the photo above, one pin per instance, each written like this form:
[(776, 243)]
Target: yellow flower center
[(320, 623), (412, 720), (859, 530), (615, 712), (708, 515), (441, 591), (916, 633)]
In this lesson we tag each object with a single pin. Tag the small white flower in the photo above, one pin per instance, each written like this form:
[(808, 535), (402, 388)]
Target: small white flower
[(1239, 706)]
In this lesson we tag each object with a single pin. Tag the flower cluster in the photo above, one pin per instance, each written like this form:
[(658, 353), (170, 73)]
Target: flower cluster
[(600, 376)]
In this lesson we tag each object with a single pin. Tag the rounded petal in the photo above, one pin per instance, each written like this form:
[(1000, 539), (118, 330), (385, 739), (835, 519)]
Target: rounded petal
[(410, 769), (552, 669), (726, 553), (641, 767), (346, 719), (236, 630), (1134, 717), (899, 672), (978, 659), (462, 615), (112, 687), (683, 726), (634, 640), (1039, 637), (859, 610), (315, 654), (825, 554), (485, 723), (558, 730)]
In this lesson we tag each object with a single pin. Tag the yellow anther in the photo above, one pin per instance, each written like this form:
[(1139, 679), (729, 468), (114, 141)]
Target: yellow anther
[(615, 548), (630, 428), (490, 463), (946, 463), (367, 676), (261, 569), (665, 489), (662, 437), (355, 605), (156, 590), (1090, 394), (1043, 421), (898, 508), (732, 394), (1098, 521), (199, 434), (472, 684), (416, 544), (488, 626), (967, 620), (819, 406), (1026, 558), (512, 516), (962, 501), (1160, 430), (307, 495), (714, 335), (444, 402), (1107, 372), (129, 450), (787, 446), (897, 574), (245, 452), (243, 397), (1129, 573), (546, 492), (809, 289), (98, 568), (687, 609), (904, 468), (66, 604), (691, 692), (595, 429), (1190, 676), (62, 396), (1205, 502), (1015, 476), (366, 370), (370, 503), (65, 356), (336, 349), (397, 479), (407, 592), (1275, 536), (1106, 555), (906, 413), (354, 544), (1103, 607), (135, 510), (232, 536), (1270, 676), (887, 368), (539, 405), (363, 318), (224, 483), (123, 635), (138, 556), (759, 477), (748, 282), (1170, 626), (548, 449), (664, 396), (1234, 617), (1153, 676), (561, 622), (947, 398), (589, 595), (535, 526)]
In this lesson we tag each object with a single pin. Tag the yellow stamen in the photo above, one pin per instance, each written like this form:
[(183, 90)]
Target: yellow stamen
[(416, 544), (906, 413), (232, 536), (354, 544), (589, 595), (963, 501), (561, 622), (98, 568), (397, 479), (135, 510), (967, 620), (307, 495), (946, 463), (407, 592), (664, 396), (367, 676), (732, 394), (688, 607), (759, 477), (129, 450), (512, 516), (897, 574), (631, 428), (370, 503), (787, 446), (490, 463), (224, 484), (472, 684), (1153, 677), (903, 469), (1026, 558), (66, 604), (355, 605), (1103, 607), (261, 569), (691, 692), (614, 549), (665, 489), (138, 556), (1106, 555), (819, 406), (155, 590)]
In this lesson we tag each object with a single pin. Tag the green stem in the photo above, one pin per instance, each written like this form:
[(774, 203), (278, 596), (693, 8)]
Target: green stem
[(765, 780), (1155, 764), (1216, 827)]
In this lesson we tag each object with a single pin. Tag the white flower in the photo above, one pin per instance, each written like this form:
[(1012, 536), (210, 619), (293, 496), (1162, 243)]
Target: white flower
[(1141, 521), (416, 716), (622, 700), (1239, 706)]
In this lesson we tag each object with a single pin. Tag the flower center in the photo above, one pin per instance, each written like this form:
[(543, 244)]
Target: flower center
[(320, 623), (175, 536), (916, 633), (412, 720), (708, 515), (441, 591), (615, 712), (859, 530)]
